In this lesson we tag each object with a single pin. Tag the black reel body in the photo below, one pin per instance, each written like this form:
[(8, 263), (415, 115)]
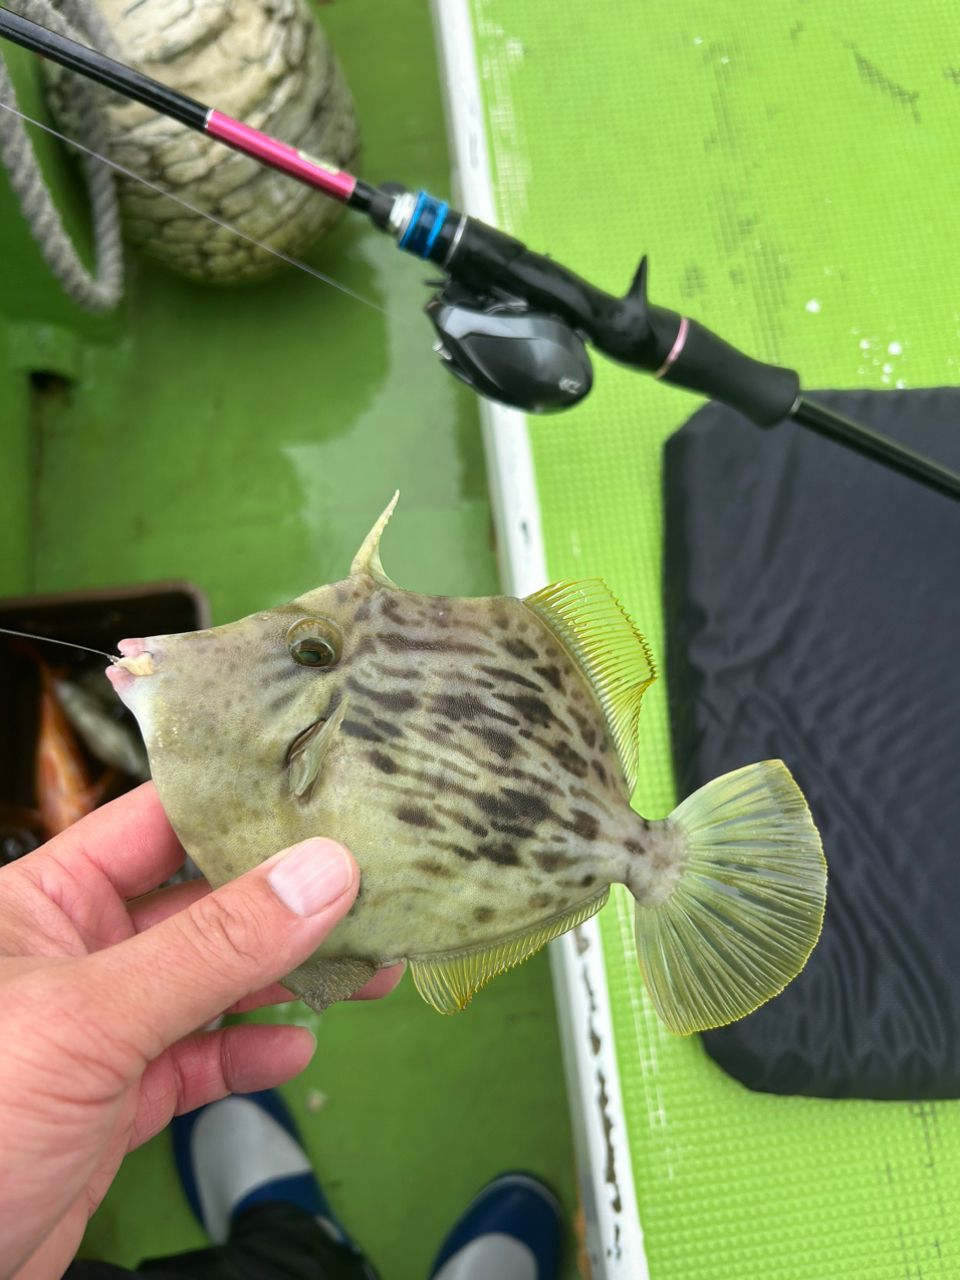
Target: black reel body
[(508, 352)]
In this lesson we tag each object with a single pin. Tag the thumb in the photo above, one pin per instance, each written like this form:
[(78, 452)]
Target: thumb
[(162, 984)]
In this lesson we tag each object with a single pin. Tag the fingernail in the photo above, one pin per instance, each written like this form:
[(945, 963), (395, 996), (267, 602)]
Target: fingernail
[(311, 876)]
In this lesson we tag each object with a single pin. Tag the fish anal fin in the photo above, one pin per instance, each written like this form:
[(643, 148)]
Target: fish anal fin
[(449, 982), (615, 658)]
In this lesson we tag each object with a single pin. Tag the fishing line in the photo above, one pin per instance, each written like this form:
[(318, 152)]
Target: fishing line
[(511, 323), (25, 635), (203, 213)]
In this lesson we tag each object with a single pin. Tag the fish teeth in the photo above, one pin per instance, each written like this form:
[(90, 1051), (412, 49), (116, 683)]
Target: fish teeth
[(141, 665)]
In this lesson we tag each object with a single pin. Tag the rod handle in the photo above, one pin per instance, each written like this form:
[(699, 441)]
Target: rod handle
[(700, 361)]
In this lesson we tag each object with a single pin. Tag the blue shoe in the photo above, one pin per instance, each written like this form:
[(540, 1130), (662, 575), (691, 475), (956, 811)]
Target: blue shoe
[(244, 1151), (513, 1230)]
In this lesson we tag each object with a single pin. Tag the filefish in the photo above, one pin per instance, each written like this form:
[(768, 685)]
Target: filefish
[(478, 757), (110, 740), (64, 790)]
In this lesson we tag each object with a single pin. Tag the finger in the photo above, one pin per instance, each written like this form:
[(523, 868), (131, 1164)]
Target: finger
[(381, 984), (129, 840), (160, 905), (154, 908), (211, 1065), (275, 993), (58, 1248), (152, 990)]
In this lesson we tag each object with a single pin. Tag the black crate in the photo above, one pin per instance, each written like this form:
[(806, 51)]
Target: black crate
[(95, 618)]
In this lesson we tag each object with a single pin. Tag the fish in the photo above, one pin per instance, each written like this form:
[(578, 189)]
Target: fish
[(478, 757), (64, 790), (108, 739)]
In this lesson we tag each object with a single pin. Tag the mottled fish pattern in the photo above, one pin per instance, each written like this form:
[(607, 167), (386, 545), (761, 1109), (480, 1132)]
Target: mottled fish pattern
[(482, 742), (474, 754)]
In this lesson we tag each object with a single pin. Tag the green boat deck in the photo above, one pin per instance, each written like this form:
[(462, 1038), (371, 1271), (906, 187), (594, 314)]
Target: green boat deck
[(245, 440), (791, 169)]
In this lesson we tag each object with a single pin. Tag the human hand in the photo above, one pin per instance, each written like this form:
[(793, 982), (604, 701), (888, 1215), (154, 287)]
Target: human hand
[(103, 992)]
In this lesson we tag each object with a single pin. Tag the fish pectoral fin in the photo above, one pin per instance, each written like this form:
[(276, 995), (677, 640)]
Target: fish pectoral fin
[(307, 752), (448, 982), (322, 981), (592, 625)]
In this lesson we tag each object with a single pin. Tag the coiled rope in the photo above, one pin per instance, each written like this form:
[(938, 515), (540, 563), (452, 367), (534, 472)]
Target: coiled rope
[(100, 291)]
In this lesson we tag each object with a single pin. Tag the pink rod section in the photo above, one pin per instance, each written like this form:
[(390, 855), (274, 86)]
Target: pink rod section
[(280, 156)]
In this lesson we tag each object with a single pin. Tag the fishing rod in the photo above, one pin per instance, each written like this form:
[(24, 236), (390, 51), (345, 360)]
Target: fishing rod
[(513, 324)]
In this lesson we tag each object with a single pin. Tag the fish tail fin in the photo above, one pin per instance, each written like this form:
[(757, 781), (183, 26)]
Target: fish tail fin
[(747, 906)]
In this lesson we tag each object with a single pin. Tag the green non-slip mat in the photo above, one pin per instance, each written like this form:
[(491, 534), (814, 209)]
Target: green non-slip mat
[(792, 170)]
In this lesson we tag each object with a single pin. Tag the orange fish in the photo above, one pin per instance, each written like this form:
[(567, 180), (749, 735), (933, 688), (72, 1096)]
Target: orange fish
[(64, 790)]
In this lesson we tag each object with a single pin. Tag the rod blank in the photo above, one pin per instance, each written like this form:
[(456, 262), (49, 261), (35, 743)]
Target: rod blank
[(873, 445), (106, 71)]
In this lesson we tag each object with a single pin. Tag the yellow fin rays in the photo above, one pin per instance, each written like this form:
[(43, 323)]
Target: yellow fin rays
[(591, 623), (749, 906), (449, 982)]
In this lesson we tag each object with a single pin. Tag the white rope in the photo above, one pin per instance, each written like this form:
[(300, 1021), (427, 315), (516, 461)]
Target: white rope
[(78, 20)]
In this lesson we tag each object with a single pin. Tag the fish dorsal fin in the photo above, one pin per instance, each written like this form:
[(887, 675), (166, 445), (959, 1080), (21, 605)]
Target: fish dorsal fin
[(593, 626), (367, 559), (448, 982), (307, 752)]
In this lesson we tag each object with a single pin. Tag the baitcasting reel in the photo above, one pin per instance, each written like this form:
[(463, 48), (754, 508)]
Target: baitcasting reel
[(508, 352)]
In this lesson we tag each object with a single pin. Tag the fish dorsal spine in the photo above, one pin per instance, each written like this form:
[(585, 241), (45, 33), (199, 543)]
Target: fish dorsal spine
[(367, 559), (596, 631)]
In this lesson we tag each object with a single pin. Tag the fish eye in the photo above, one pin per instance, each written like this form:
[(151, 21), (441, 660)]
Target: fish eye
[(314, 644), (313, 651)]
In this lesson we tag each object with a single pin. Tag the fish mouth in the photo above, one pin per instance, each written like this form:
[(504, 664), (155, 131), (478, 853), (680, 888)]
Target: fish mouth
[(137, 661)]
